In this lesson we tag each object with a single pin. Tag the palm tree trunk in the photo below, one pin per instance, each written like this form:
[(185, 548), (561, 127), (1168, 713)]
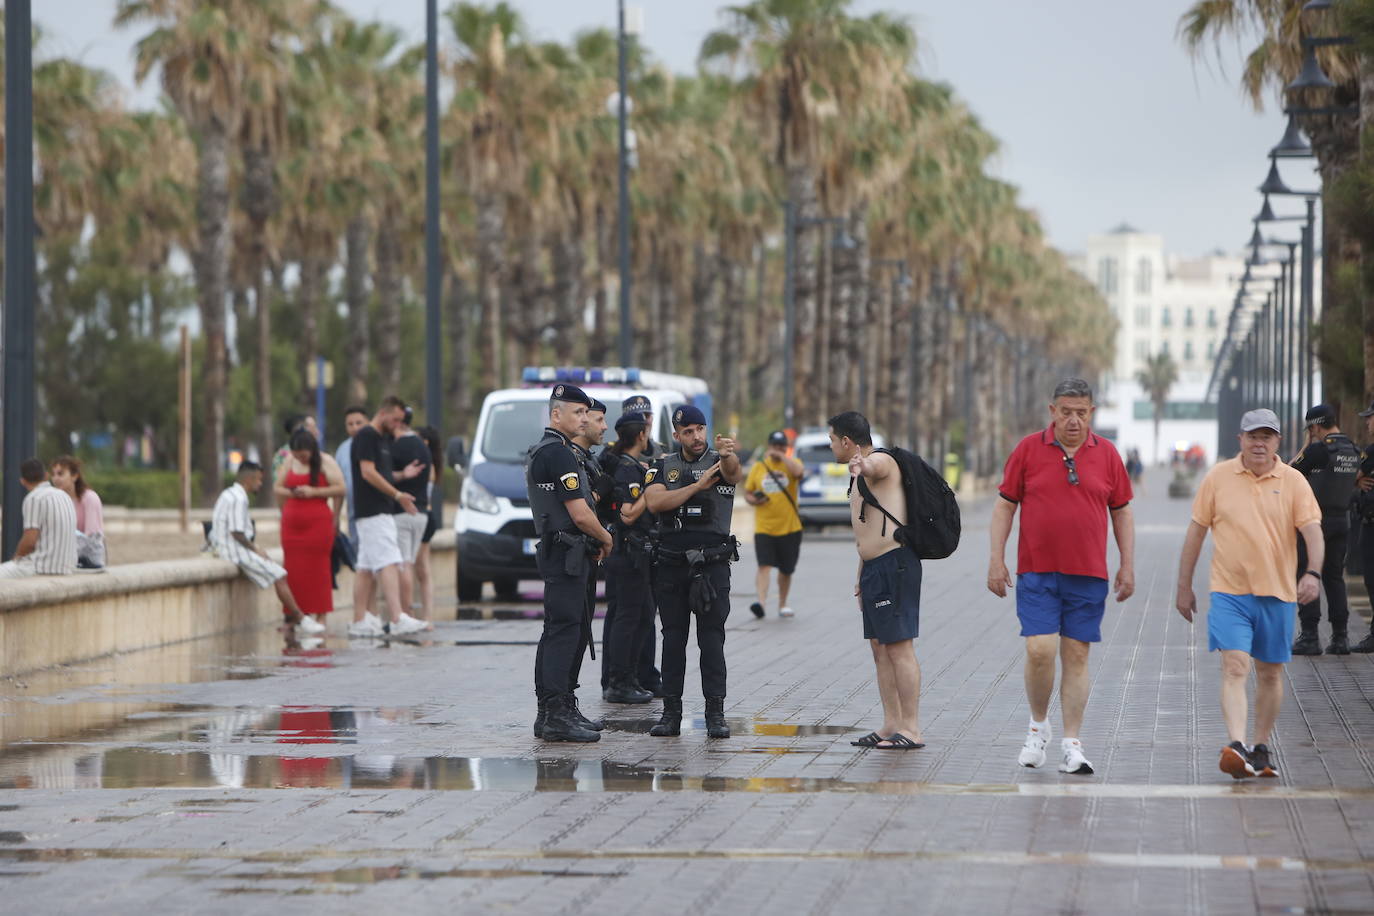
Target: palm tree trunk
[(357, 238), (212, 283), (823, 340), (387, 281), (243, 323), (565, 255), (706, 314), (310, 298), (262, 377), (490, 274), (860, 328), (801, 191), (599, 343), (459, 326)]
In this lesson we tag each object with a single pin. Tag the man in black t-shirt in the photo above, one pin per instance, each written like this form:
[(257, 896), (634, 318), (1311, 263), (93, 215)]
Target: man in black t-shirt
[(376, 499), (411, 463)]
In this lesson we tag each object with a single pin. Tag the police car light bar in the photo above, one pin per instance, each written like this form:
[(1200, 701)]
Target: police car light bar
[(578, 375)]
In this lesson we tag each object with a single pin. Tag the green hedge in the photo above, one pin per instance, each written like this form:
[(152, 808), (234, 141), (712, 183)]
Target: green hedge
[(140, 489)]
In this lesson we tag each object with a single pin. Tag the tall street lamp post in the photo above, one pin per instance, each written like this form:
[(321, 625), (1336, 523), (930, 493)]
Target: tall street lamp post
[(792, 224), (20, 431), (433, 269), (623, 33)]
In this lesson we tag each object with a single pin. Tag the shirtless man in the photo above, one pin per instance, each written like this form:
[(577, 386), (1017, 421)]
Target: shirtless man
[(889, 582)]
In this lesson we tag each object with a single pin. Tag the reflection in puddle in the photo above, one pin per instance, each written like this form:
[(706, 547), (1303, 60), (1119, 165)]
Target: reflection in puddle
[(738, 726), (374, 875)]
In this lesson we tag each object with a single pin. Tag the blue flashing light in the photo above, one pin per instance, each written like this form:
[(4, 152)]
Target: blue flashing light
[(580, 375)]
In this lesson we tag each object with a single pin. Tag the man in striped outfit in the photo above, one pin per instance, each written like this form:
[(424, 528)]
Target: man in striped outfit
[(48, 545), (231, 538)]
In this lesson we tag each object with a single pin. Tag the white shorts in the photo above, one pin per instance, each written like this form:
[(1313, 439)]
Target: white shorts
[(410, 531), (377, 544), (263, 573)]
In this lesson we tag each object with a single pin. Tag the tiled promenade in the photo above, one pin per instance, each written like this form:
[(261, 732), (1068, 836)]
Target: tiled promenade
[(233, 778)]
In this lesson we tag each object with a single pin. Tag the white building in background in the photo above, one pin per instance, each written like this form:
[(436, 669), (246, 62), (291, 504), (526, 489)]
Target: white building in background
[(1164, 303)]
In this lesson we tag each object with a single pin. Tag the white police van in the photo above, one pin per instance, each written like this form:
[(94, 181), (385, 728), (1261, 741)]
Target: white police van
[(494, 525)]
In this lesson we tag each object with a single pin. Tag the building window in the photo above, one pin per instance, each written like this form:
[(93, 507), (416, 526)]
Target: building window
[(1142, 349), (1107, 275), (1211, 349), (1188, 351), (1188, 317), (1211, 318), (1142, 316), (1164, 348), (1144, 275), (1164, 319)]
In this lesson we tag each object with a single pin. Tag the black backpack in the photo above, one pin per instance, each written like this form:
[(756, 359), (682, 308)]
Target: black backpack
[(932, 529)]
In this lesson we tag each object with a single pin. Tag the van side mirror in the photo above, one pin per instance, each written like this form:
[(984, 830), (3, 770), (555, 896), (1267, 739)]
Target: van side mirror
[(456, 452)]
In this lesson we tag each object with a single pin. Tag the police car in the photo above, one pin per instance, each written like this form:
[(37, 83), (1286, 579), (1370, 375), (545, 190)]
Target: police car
[(823, 497), (494, 525)]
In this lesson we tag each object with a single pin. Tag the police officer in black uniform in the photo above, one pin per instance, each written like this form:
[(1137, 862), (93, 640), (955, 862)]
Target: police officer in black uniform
[(1330, 462), (593, 432), (627, 570), (1364, 510), (692, 490), (571, 540)]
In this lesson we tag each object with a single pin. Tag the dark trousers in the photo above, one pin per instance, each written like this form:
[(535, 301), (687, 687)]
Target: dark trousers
[(646, 671), (1335, 532), (1367, 559), (671, 587), (622, 637), (584, 639), (565, 604)]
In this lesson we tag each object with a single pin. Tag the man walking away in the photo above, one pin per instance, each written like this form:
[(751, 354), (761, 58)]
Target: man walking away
[(771, 489), (232, 538), (411, 464), (48, 545), (1330, 462), (377, 499), (1066, 482), (888, 586), (1252, 504)]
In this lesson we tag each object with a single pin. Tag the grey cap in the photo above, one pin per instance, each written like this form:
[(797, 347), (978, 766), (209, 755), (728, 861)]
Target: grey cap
[(1261, 418)]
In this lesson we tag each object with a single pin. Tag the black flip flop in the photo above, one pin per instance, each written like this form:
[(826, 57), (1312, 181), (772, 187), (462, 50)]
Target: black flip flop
[(869, 740), (757, 609), (899, 742)]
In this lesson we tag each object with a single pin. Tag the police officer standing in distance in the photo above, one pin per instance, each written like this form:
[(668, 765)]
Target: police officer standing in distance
[(627, 570), (692, 490), (593, 432), (1330, 462), (571, 540)]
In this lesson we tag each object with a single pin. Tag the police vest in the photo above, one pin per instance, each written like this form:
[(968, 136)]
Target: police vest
[(1334, 484), (599, 482), (612, 464), (708, 511), (546, 503)]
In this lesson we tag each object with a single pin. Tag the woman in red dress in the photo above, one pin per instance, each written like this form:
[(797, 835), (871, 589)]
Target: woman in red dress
[(309, 479)]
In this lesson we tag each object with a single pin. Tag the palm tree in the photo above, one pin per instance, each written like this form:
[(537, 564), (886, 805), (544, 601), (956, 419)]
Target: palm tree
[(1156, 378), (213, 56)]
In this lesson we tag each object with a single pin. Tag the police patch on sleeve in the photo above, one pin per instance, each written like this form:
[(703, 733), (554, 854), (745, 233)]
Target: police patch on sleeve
[(649, 476), (570, 481), (634, 491)]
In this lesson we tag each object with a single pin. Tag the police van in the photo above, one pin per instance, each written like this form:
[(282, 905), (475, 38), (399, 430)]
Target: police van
[(494, 525)]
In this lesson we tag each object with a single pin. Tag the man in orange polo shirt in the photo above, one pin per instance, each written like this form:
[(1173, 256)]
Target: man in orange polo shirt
[(1252, 504)]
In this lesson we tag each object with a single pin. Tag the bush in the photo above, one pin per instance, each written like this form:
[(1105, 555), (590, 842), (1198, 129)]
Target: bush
[(140, 489)]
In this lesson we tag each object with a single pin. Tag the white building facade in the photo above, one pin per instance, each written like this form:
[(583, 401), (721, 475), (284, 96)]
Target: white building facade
[(1163, 303)]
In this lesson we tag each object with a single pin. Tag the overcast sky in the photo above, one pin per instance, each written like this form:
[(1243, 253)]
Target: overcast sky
[(1102, 116)]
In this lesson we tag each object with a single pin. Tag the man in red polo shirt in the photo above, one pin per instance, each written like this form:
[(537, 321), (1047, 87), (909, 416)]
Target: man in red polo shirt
[(1067, 481)]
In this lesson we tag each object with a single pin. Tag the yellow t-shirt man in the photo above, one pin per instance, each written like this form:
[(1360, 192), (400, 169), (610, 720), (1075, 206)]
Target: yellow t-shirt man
[(777, 516)]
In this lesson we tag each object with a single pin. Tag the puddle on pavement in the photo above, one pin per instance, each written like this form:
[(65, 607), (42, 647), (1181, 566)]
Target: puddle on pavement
[(376, 874), (738, 727)]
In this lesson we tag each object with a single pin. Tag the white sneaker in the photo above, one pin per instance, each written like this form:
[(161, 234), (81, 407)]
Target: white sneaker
[(311, 642), (786, 612), (1074, 761), (1033, 751), (407, 624), (368, 627), (310, 625)]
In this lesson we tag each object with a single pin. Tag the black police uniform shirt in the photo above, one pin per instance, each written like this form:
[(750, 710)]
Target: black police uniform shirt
[(687, 538), (629, 475), (1316, 456), (1364, 500), (370, 445), (404, 450), (560, 467)]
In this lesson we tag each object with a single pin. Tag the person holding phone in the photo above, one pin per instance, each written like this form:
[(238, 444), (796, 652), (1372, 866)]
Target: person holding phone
[(771, 488)]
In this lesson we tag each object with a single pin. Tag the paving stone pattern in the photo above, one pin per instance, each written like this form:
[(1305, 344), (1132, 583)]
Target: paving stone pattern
[(437, 798)]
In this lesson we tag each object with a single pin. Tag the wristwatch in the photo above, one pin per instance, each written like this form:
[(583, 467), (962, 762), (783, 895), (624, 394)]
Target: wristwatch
[(1313, 572)]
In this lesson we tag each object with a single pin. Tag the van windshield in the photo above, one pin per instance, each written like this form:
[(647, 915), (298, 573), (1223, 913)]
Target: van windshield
[(514, 426)]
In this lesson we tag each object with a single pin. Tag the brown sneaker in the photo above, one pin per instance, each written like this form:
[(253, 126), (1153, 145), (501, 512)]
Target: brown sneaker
[(1235, 761)]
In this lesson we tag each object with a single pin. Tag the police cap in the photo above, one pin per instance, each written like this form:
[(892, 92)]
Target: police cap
[(687, 415), (1322, 415), (570, 394), (629, 419), (636, 403), (595, 405)]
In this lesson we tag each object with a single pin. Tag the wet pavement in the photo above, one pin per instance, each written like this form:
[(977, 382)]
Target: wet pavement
[(243, 774)]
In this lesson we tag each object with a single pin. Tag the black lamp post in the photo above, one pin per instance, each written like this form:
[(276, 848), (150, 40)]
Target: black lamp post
[(792, 225), (433, 270), (20, 429), (626, 353), (901, 281)]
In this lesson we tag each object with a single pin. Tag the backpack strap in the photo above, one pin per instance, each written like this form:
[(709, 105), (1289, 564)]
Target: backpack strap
[(871, 500)]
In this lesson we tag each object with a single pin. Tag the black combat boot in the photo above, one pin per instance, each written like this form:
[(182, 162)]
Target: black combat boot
[(669, 724), (1307, 643), (540, 717), (595, 725), (623, 689), (1365, 645), (715, 718), (1339, 644), (561, 725)]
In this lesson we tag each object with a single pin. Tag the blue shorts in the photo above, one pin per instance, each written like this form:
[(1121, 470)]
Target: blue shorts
[(1070, 606), (890, 595), (1259, 625)]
